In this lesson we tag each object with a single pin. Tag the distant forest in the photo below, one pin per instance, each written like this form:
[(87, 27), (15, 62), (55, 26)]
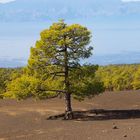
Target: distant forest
[(113, 77)]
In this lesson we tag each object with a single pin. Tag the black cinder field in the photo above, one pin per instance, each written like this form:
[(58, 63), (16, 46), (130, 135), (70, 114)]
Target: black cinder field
[(112, 115)]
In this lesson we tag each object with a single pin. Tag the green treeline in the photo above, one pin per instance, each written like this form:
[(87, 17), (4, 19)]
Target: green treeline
[(113, 77), (6, 76), (22, 84), (120, 77)]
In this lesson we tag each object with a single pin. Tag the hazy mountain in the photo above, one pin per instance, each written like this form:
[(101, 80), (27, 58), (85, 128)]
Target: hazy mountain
[(104, 59), (118, 58), (12, 62), (36, 10)]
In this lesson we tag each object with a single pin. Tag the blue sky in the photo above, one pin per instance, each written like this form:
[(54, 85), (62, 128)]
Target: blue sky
[(115, 24)]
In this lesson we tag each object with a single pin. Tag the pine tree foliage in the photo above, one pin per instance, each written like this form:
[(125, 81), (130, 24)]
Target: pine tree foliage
[(47, 60)]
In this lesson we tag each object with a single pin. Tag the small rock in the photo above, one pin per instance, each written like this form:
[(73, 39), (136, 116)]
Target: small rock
[(104, 131), (125, 136), (115, 127)]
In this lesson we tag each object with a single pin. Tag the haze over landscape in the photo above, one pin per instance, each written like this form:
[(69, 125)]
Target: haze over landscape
[(115, 25)]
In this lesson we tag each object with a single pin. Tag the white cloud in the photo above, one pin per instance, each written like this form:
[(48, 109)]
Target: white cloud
[(6, 1), (130, 0)]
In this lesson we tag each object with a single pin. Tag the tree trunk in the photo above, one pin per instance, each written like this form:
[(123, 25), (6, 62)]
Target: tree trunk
[(68, 108)]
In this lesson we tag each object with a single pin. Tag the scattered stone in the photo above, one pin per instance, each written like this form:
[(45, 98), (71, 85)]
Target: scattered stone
[(115, 127), (104, 131), (125, 136)]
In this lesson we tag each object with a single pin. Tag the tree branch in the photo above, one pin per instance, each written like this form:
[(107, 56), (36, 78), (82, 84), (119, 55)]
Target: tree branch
[(55, 96), (58, 91), (63, 50), (59, 72)]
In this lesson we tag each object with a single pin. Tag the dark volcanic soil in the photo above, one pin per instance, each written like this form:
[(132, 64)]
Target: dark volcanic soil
[(111, 116)]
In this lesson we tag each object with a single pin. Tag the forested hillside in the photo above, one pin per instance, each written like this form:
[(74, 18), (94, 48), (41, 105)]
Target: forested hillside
[(120, 77), (6, 76), (113, 77)]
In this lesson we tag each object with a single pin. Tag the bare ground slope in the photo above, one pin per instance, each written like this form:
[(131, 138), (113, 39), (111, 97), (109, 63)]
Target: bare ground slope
[(111, 116)]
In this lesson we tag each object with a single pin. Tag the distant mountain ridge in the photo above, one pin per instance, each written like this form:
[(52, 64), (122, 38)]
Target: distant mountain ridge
[(38, 10), (104, 59), (12, 62), (118, 58)]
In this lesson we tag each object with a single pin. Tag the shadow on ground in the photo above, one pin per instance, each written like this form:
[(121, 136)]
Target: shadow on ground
[(101, 114)]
